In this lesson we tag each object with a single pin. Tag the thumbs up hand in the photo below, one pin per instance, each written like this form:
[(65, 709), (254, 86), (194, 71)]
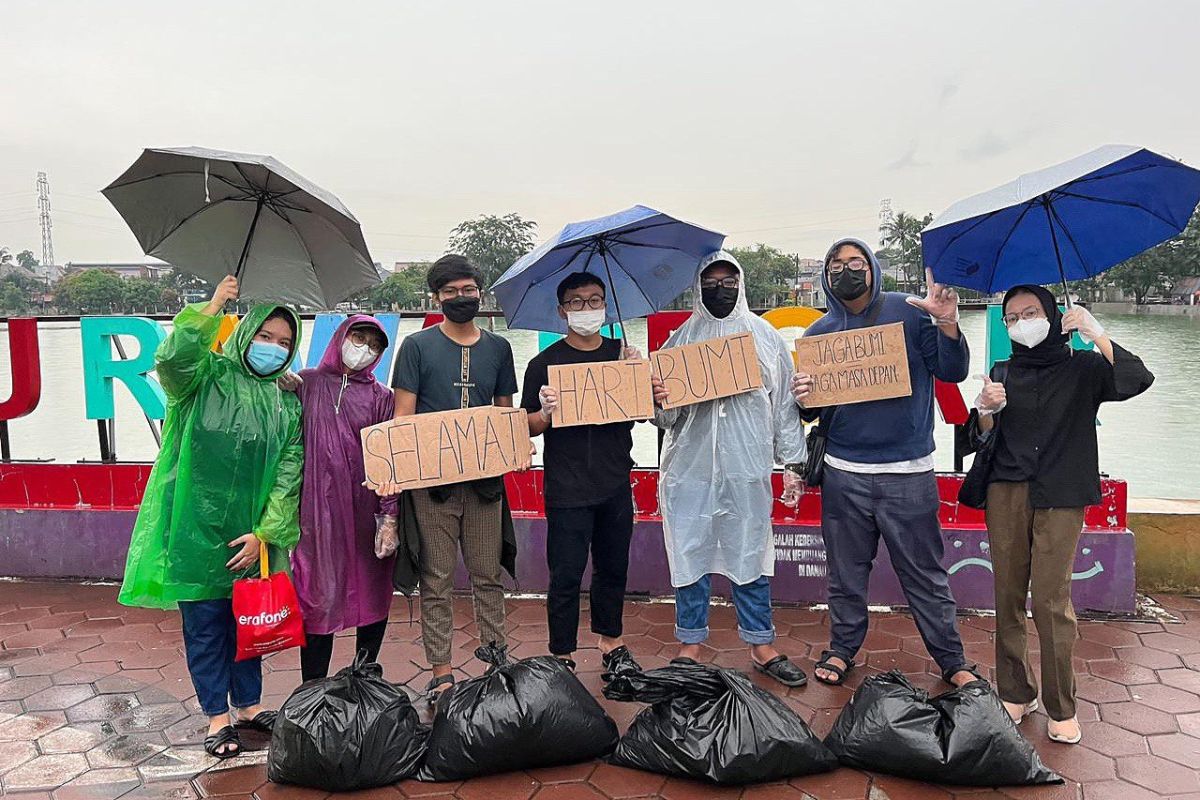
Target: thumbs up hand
[(992, 398)]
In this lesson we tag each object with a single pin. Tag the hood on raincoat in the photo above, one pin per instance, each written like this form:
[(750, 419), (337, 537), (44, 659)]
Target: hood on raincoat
[(836, 305), (238, 343), (714, 489), (331, 361)]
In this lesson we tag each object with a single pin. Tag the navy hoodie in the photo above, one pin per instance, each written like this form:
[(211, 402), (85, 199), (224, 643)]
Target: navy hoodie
[(900, 428)]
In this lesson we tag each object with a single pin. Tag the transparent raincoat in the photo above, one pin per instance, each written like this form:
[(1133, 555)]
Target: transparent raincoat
[(714, 487), (230, 464)]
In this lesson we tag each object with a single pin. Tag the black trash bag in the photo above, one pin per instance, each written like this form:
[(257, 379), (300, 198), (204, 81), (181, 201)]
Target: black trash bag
[(520, 715), (962, 737), (713, 724), (352, 731)]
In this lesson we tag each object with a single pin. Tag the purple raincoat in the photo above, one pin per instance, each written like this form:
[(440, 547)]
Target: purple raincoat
[(340, 582)]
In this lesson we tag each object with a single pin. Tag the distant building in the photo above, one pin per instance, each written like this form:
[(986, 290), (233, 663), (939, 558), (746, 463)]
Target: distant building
[(1187, 291), (140, 269), (401, 266)]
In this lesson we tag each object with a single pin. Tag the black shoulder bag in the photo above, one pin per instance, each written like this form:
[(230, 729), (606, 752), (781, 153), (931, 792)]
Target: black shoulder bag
[(973, 492), (813, 470)]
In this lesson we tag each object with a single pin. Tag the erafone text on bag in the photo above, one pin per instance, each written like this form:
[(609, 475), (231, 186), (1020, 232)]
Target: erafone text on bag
[(266, 618)]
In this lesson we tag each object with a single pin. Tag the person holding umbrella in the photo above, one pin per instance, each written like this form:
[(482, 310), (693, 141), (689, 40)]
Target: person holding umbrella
[(1039, 411), (227, 478), (589, 503)]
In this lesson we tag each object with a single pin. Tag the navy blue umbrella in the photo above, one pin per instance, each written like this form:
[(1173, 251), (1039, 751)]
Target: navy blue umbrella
[(1063, 223), (646, 258)]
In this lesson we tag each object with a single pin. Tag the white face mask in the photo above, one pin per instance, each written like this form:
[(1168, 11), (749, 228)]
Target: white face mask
[(357, 356), (1029, 332), (586, 323)]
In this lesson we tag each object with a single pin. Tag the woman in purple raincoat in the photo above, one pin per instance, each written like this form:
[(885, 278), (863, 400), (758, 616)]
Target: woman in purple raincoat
[(341, 580)]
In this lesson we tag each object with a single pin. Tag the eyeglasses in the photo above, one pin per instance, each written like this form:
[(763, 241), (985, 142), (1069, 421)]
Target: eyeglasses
[(361, 338), (578, 303), (1029, 313), (450, 292), (854, 264), (725, 283)]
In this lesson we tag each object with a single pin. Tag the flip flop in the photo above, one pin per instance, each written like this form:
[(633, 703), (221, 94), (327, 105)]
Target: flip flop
[(1067, 739)]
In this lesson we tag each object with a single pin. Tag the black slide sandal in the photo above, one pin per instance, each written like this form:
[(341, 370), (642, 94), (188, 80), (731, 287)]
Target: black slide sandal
[(223, 738), (432, 692), (263, 722), (840, 672), (782, 670)]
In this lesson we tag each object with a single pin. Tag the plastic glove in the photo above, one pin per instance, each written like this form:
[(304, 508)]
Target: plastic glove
[(548, 397), (992, 399), (631, 353), (387, 535), (1081, 320), (289, 381), (793, 487)]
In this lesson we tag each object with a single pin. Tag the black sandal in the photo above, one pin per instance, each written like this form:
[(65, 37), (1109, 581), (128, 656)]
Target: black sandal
[(263, 722), (828, 666), (432, 692), (690, 662), (782, 670), (618, 661), (570, 662), (226, 738)]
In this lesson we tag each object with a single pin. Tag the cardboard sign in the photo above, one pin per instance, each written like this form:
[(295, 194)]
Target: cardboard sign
[(602, 391), (855, 366), (446, 447), (708, 370)]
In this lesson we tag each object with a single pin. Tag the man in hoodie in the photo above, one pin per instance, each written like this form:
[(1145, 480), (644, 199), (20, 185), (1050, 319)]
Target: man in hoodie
[(878, 478), (342, 571), (714, 488)]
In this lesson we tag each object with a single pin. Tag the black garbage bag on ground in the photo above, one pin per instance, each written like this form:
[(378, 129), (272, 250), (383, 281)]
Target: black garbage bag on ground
[(961, 737), (520, 715), (713, 724), (352, 731)]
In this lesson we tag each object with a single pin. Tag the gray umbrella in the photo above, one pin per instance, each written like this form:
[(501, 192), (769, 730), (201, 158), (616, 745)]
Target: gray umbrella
[(214, 213)]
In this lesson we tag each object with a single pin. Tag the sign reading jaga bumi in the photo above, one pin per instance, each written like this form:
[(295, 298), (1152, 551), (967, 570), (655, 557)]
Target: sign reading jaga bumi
[(708, 370), (855, 366), (446, 447), (602, 391)]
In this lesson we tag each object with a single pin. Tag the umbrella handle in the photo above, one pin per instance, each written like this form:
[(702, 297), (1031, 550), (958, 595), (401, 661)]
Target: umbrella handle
[(241, 265), (616, 299), (1057, 254)]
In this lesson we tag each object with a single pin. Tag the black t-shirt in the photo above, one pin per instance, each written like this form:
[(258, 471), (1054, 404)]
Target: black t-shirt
[(585, 464), (444, 375)]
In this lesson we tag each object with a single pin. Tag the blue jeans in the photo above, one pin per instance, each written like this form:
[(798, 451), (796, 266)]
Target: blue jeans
[(210, 639), (752, 601)]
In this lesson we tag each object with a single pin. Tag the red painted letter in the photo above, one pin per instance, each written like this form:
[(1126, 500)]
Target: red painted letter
[(26, 369)]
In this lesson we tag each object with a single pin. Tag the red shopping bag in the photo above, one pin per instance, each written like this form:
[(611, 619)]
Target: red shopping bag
[(267, 612)]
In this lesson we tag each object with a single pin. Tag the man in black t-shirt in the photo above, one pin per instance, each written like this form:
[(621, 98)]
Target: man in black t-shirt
[(452, 365), (589, 502)]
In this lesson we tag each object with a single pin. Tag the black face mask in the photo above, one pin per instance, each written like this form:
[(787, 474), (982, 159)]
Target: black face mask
[(719, 300), (850, 284), (461, 309)]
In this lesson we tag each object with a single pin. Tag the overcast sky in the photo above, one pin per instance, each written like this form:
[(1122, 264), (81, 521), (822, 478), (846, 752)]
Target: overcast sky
[(779, 122)]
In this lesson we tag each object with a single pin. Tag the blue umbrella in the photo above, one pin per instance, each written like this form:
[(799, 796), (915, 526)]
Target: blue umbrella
[(646, 258), (1063, 223)]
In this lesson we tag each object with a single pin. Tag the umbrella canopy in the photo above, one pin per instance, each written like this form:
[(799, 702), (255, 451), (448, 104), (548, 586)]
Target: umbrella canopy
[(1063, 223), (646, 258), (213, 213)]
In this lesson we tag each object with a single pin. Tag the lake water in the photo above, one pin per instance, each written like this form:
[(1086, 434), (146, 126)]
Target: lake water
[(1150, 441)]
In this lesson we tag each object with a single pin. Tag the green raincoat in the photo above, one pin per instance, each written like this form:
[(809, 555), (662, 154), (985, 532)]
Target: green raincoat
[(230, 464)]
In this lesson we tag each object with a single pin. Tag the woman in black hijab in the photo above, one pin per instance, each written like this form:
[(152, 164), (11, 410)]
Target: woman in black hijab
[(1041, 407)]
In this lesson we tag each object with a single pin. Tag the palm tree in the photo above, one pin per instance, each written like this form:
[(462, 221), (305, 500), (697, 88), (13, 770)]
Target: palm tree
[(902, 235)]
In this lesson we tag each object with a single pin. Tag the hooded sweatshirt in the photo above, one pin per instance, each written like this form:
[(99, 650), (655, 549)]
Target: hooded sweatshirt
[(900, 428), (339, 581)]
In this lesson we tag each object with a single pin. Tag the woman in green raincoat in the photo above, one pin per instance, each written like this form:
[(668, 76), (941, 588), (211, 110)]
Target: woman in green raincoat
[(227, 477)]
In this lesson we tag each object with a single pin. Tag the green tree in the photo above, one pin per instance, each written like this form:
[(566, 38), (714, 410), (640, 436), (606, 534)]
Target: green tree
[(98, 291), (902, 237), (25, 259), (402, 290), (140, 294), (768, 274), (493, 243)]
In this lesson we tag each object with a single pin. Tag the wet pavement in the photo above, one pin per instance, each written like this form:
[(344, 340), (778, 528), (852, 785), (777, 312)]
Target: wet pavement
[(95, 702)]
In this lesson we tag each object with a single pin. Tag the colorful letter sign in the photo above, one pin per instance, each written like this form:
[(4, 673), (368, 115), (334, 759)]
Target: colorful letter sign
[(100, 369)]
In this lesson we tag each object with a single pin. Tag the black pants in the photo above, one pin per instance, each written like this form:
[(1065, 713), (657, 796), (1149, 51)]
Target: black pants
[(856, 510), (314, 657), (605, 530)]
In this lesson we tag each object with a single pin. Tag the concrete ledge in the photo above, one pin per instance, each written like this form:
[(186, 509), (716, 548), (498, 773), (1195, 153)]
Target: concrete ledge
[(1167, 538)]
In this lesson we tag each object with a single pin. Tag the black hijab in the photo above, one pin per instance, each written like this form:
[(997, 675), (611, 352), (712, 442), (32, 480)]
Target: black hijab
[(1056, 347)]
